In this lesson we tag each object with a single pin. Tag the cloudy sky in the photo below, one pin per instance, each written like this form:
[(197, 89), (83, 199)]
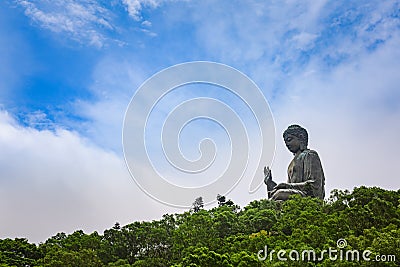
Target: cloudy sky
[(69, 69)]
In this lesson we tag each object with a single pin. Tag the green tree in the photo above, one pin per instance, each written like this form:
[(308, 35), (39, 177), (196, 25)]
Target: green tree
[(18, 252), (198, 204)]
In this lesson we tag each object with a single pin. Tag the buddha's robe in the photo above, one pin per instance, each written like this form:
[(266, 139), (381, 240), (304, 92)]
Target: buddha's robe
[(304, 167)]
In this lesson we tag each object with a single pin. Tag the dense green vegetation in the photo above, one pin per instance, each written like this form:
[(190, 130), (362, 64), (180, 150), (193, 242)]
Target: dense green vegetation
[(367, 218)]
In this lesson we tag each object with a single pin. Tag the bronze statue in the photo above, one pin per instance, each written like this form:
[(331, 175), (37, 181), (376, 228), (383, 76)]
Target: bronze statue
[(305, 174)]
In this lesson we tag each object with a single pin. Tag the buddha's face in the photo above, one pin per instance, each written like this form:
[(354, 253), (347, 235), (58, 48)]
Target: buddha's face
[(292, 143)]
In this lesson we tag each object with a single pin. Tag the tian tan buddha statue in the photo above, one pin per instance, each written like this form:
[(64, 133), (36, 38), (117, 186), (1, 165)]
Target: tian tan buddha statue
[(305, 174)]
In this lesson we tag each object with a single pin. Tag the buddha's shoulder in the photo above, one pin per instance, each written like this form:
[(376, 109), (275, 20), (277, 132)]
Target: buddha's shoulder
[(309, 152)]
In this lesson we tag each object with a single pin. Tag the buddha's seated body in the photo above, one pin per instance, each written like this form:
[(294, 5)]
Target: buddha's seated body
[(305, 173)]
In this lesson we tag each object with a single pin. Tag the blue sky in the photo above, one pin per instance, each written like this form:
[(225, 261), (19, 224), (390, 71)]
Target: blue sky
[(69, 69)]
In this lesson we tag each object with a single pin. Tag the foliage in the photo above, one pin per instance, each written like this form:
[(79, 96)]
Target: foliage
[(198, 204), (367, 218)]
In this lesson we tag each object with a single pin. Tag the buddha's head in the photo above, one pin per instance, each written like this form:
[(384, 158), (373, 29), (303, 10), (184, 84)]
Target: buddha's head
[(296, 138)]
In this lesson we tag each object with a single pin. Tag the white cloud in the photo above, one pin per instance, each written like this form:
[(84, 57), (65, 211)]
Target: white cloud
[(83, 21), (258, 30), (146, 23), (134, 7), (272, 33), (304, 40), (38, 120), (58, 181), (149, 33)]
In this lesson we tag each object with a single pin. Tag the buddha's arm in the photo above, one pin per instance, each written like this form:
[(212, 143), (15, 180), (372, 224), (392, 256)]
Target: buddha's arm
[(303, 186), (270, 187), (270, 184), (268, 179)]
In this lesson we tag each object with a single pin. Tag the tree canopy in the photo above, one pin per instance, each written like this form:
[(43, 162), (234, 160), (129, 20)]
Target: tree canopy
[(365, 219)]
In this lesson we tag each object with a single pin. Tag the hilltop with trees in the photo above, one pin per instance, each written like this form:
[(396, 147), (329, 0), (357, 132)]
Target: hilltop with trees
[(227, 235)]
